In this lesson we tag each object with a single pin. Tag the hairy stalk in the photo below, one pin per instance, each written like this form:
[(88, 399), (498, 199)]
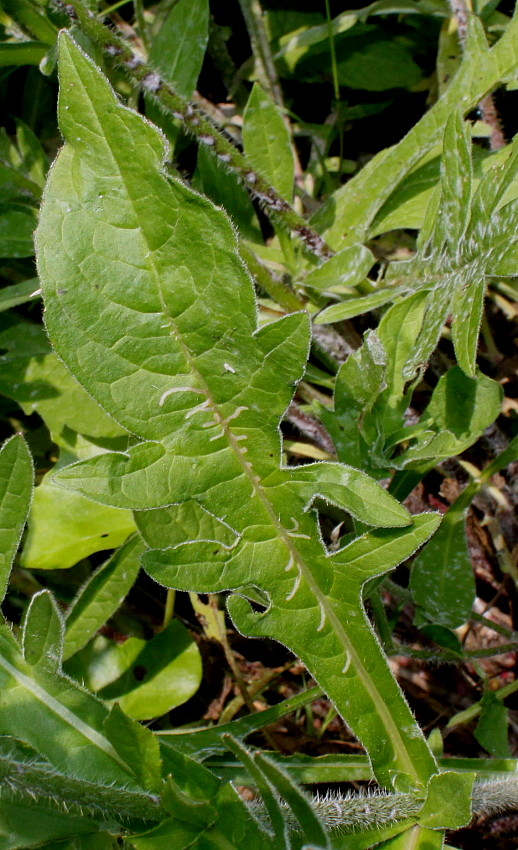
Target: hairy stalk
[(33, 783), (354, 812), (253, 15), (195, 122), (344, 813), (310, 427), (269, 282)]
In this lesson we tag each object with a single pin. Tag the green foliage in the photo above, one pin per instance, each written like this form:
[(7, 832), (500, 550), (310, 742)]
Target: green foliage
[(101, 596), (351, 210), (158, 386), (267, 143), (197, 421), (186, 28), (16, 478)]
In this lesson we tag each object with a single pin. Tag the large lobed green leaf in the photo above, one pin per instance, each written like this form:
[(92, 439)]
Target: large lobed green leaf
[(150, 307)]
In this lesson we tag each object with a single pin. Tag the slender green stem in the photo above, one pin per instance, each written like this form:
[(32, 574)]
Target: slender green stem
[(113, 8), (331, 37), (474, 710), (445, 656), (496, 627), (141, 22), (492, 350), (169, 607), (253, 15), (270, 283), (380, 620)]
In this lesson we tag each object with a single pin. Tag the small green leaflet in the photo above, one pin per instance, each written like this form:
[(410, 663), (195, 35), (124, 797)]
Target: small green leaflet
[(16, 482), (179, 46), (99, 598), (267, 142)]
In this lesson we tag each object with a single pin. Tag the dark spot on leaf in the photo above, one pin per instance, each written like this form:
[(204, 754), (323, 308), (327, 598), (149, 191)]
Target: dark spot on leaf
[(105, 535), (139, 672)]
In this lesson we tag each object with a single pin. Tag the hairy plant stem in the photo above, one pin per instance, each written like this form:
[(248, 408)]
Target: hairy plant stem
[(270, 283), (345, 813), (253, 16), (195, 122), (310, 427), (32, 783)]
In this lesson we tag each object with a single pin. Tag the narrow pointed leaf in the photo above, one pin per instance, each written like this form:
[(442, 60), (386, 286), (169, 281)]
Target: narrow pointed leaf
[(311, 826), (267, 142), (442, 580), (19, 293), (352, 307), (138, 746), (101, 596), (455, 185), (16, 477), (279, 825), (43, 631), (179, 46), (347, 268)]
